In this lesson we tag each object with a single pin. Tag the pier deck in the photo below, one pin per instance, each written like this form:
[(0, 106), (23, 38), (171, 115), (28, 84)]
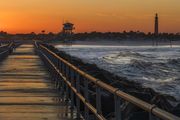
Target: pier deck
[(26, 91)]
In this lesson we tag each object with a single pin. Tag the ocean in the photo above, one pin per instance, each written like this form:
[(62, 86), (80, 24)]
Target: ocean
[(156, 67)]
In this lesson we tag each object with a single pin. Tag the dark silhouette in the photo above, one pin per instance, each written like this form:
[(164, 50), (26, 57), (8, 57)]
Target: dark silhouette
[(156, 25)]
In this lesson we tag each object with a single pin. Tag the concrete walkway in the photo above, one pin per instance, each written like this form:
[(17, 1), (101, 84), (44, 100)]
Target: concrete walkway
[(26, 91)]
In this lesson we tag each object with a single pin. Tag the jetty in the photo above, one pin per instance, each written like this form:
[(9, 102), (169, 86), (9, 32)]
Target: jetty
[(38, 84)]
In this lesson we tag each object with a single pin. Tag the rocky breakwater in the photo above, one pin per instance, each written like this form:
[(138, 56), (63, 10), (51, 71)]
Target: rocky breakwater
[(130, 111)]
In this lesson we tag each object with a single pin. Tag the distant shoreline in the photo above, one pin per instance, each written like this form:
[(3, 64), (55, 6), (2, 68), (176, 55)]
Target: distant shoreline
[(117, 42)]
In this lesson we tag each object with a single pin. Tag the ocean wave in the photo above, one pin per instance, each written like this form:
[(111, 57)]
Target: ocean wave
[(140, 64), (123, 57), (174, 61), (124, 54), (146, 64), (154, 67)]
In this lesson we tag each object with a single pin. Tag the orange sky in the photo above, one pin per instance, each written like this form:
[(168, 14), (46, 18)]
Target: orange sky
[(25, 16)]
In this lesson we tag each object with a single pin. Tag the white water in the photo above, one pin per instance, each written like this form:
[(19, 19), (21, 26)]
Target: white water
[(154, 67)]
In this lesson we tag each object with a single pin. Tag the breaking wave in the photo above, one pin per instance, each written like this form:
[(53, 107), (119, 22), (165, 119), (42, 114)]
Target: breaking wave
[(124, 54), (140, 64), (157, 68)]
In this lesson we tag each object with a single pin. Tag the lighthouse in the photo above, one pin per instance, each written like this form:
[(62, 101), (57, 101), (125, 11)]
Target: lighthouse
[(156, 26)]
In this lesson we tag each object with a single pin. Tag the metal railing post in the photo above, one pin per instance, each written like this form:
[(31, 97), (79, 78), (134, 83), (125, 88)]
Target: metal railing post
[(117, 113), (60, 66), (151, 116), (77, 99), (67, 93), (86, 95), (67, 72), (62, 90), (67, 78), (57, 79), (72, 93), (98, 100)]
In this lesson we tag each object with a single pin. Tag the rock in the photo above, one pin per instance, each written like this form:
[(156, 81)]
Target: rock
[(130, 112)]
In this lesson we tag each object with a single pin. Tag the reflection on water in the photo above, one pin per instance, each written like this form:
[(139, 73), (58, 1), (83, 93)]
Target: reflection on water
[(155, 67)]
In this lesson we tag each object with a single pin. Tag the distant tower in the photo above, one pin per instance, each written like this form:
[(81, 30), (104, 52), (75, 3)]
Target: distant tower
[(156, 25), (68, 29)]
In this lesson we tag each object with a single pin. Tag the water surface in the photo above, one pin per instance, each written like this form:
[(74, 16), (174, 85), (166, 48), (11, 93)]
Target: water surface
[(154, 67)]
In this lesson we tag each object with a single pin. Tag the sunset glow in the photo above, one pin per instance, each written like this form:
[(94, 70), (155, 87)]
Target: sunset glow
[(25, 16)]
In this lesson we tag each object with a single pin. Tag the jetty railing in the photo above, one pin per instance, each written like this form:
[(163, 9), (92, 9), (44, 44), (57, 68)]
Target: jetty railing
[(69, 77), (2, 47), (5, 50)]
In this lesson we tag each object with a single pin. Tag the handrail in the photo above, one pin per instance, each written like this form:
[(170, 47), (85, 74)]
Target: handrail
[(152, 109), (6, 49), (4, 46)]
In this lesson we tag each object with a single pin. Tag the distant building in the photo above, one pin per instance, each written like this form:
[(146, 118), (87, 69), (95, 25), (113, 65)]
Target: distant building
[(68, 29), (156, 25)]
